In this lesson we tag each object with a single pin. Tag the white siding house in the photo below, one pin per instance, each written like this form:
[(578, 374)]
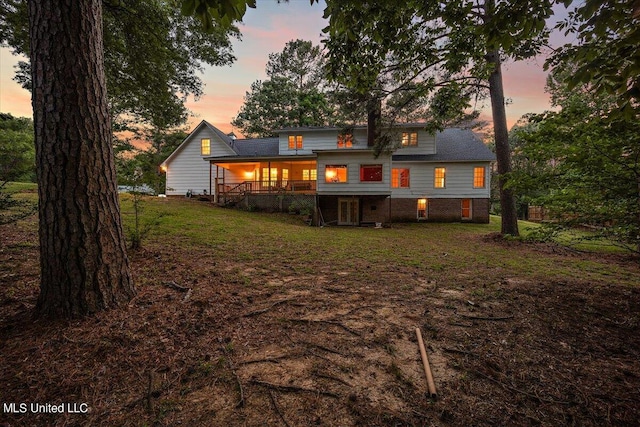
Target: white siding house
[(426, 177), (186, 170)]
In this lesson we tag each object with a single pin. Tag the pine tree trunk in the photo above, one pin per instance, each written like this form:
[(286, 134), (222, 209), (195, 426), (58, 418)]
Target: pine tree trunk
[(83, 261), (503, 153)]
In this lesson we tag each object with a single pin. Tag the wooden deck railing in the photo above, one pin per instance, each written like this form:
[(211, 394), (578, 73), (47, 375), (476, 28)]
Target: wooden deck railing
[(232, 192)]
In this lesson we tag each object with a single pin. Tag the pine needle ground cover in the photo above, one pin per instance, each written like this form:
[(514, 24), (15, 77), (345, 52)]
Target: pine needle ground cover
[(258, 319)]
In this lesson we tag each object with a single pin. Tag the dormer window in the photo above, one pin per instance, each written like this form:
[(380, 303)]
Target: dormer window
[(205, 147), (295, 142), (409, 139), (345, 140)]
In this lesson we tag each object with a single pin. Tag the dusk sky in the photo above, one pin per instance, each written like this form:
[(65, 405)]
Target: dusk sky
[(265, 30)]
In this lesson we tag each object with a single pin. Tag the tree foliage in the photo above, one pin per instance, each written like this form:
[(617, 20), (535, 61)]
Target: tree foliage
[(582, 164), (153, 55), (606, 54), (17, 163), (17, 152), (138, 167), (441, 54), (296, 93)]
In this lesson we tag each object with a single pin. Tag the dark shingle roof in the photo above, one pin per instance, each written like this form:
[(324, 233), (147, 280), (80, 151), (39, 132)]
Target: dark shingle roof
[(258, 147), (453, 145)]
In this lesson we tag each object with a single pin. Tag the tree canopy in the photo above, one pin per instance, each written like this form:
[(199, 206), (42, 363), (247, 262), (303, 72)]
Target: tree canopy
[(152, 58), (444, 55), (296, 93), (605, 54), (17, 153), (579, 164)]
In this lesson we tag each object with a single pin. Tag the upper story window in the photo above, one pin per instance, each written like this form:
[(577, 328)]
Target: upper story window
[(409, 139), (371, 173), (205, 147), (335, 173), (345, 140), (439, 177), (478, 178), (400, 178), (295, 142)]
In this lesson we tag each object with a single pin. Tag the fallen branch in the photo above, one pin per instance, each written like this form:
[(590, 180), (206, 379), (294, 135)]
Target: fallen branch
[(264, 310), (363, 307), (327, 322), (455, 350), (331, 377), (275, 406), (187, 296), (273, 359), (149, 398), (321, 347), (466, 316), (174, 285), (241, 403), (292, 388), (508, 387), (425, 363)]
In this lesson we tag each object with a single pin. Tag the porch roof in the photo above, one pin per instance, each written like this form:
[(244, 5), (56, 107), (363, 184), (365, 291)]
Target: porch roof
[(257, 159), (257, 147), (255, 150)]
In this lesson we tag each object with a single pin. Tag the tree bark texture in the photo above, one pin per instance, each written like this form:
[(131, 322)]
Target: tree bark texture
[(503, 152), (83, 260)]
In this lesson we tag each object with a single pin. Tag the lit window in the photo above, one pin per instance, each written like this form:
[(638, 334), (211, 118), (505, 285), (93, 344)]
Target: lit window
[(205, 146), (400, 178), (439, 177), (478, 177), (269, 176), (335, 173), (422, 208), (409, 139), (466, 208), (309, 174), (285, 174), (295, 142), (371, 173), (345, 140)]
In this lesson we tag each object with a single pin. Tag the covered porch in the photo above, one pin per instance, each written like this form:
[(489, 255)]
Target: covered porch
[(233, 180)]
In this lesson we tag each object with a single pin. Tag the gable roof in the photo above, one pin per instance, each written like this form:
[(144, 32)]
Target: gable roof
[(225, 138), (453, 145)]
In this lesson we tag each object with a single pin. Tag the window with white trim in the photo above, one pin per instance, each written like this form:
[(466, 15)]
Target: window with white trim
[(205, 147), (439, 177), (399, 178), (335, 173)]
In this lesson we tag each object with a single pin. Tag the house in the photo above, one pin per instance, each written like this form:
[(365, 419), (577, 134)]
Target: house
[(441, 177)]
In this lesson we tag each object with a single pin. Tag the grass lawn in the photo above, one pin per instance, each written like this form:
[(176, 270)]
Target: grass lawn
[(258, 319)]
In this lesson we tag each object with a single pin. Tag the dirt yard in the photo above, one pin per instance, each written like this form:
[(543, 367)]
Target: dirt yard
[(227, 341)]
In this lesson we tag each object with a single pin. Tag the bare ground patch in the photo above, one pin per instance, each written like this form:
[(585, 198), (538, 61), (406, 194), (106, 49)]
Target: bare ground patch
[(253, 346)]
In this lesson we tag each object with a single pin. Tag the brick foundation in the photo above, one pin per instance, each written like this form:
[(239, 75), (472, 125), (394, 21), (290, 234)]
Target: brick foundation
[(383, 209)]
